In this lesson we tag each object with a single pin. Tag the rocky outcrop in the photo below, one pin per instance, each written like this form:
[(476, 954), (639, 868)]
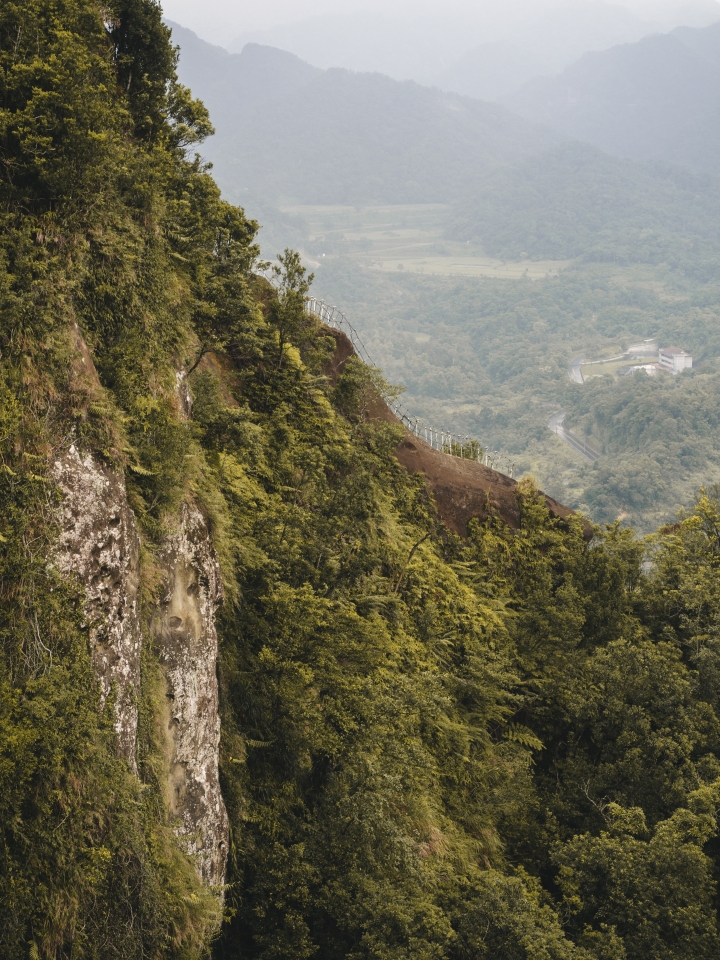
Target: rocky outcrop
[(183, 395), (99, 545), (186, 639)]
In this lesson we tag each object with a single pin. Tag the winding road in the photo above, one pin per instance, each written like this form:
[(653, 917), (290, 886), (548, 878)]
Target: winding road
[(556, 424)]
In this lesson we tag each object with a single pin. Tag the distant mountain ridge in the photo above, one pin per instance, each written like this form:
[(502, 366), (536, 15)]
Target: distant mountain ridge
[(658, 99), (484, 50), (541, 47), (292, 133)]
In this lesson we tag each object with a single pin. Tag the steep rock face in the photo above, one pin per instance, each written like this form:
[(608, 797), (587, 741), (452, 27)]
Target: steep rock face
[(183, 395), (186, 638), (99, 544)]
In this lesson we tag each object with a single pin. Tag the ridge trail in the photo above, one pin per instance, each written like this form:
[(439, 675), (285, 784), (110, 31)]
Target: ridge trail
[(443, 441)]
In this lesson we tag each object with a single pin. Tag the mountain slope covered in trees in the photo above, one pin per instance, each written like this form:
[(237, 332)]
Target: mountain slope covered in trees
[(575, 202), (503, 746), (295, 134)]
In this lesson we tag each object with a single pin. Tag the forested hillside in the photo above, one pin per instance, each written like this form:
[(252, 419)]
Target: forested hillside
[(503, 746), (575, 202)]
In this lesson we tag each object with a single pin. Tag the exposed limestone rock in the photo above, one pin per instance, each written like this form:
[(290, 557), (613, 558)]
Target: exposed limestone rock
[(99, 544), (183, 395), (184, 627)]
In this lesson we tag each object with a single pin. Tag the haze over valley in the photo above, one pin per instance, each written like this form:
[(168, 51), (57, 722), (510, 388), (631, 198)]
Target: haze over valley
[(478, 247)]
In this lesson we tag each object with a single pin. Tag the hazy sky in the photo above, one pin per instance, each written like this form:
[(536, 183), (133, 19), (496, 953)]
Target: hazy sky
[(221, 20), (250, 15)]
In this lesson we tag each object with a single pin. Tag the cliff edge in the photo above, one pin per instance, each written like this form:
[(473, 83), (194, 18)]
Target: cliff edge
[(463, 489)]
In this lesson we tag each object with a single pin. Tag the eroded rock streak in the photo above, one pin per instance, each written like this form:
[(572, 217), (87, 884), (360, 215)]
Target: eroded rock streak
[(184, 628)]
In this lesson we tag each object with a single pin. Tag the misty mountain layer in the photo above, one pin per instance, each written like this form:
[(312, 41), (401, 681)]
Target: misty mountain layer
[(484, 50), (658, 99), (542, 46), (297, 134)]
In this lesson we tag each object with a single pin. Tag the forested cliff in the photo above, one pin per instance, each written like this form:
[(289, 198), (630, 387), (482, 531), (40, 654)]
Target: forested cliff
[(256, 698)]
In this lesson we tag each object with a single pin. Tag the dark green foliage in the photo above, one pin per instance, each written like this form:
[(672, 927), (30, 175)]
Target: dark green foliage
[(504, 747), (655, 889), (361, 681), (617, 704), (56, 95), (506, 917), (144, 62)]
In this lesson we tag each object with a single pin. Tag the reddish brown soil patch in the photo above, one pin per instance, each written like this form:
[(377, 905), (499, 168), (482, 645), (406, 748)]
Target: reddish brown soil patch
[(463, 489), (343, 351)]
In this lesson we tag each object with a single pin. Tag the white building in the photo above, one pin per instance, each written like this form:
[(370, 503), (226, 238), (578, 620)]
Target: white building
[(674, 359)]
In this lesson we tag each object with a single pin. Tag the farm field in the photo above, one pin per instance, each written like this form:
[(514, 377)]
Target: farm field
[(407, 238), (590, 370), (475, 267)]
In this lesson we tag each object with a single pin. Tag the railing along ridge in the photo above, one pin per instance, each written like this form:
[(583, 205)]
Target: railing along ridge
[(442, 440)]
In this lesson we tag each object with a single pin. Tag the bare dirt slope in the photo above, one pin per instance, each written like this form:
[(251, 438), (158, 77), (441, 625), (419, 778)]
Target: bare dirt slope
[(463, 489)]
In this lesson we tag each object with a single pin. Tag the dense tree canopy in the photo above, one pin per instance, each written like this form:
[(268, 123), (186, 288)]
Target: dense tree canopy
[(503, 747)]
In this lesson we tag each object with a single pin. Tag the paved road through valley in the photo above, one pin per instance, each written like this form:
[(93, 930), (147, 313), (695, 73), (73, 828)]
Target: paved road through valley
[(556, 424)]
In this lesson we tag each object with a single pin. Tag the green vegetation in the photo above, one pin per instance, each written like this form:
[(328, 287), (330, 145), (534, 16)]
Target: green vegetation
[(504, 747), (482, 351), (409, 241), (576, 202), (104, 223), (489, 358)]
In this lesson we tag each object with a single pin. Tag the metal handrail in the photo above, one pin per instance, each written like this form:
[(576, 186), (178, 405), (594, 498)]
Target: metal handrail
[(442, 440)]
